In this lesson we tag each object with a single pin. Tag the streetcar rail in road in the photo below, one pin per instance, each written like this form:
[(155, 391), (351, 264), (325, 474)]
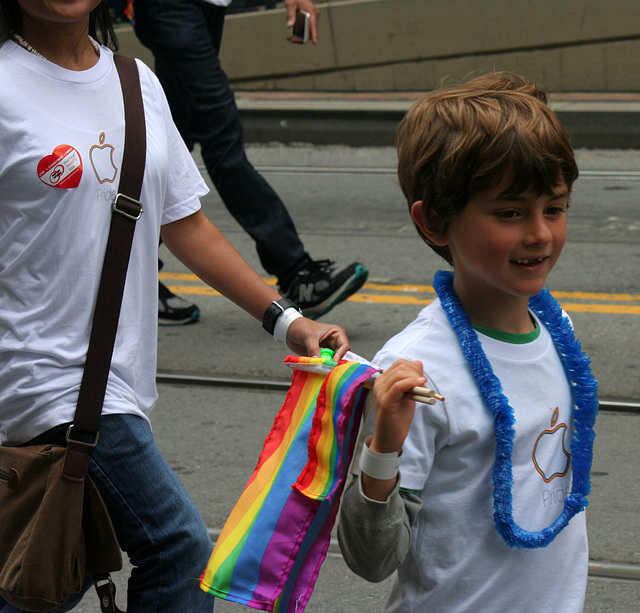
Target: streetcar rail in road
[(617, 175), (282, 385), (597, 570)]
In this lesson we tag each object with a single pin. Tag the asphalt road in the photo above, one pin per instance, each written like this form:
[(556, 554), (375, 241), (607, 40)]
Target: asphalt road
[(347, 206)]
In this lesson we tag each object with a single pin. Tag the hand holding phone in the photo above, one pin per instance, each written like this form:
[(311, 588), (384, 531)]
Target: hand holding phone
[(300, 29)]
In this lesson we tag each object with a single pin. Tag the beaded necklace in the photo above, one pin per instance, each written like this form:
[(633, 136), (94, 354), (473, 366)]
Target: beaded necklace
[(23, 43), (584, 389)]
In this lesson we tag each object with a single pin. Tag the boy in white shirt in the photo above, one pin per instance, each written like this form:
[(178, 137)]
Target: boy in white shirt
[(478, 516)]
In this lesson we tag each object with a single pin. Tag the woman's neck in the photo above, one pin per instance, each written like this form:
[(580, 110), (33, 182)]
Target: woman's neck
[(67, 45)]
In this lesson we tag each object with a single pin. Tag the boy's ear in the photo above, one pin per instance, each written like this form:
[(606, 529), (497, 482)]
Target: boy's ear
[(431, 229)]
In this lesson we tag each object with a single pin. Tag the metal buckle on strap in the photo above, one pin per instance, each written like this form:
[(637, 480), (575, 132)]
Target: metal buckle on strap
[(68, 437), (118, 207)]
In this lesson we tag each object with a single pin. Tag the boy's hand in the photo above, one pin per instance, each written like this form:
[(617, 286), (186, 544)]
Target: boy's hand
[(393, 412), (306, 336)]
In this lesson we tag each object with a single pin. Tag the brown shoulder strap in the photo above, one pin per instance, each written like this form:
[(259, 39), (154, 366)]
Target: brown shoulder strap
[(126, 210), (135, 138)]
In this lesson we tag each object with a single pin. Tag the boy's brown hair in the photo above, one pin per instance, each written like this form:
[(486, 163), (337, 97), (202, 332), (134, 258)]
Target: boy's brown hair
[(458, 141)]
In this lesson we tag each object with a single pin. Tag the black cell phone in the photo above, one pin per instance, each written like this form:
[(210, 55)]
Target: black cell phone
[(300, 29)]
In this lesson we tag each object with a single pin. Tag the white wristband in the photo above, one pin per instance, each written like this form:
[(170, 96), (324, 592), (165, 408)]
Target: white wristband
[(379, 465), (283, 322)]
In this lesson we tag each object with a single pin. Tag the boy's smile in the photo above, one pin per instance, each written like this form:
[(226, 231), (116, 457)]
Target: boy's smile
[(503, 248)]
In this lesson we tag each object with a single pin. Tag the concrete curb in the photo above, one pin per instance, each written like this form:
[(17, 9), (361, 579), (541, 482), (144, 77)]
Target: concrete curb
[(596, 120), (592, 121)]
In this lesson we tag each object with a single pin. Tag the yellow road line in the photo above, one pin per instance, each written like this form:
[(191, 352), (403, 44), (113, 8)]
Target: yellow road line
[(410, 294), (613, 309), (193, 290), (389, 299), (597, 296)]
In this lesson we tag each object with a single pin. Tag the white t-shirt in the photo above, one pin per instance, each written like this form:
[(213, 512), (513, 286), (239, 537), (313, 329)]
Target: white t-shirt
[(458, 561), (61, 141)]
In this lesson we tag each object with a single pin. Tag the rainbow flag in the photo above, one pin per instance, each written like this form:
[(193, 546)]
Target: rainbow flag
[(269, 553)]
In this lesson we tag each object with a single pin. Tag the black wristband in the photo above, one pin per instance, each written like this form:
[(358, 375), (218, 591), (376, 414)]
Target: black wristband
[(277, 308)]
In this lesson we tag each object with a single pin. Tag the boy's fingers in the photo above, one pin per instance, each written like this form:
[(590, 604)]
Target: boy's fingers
[(404, 369)]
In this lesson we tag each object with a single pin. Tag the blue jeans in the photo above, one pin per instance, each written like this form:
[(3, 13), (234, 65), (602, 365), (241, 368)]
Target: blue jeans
[(184, 37), (157, 523)]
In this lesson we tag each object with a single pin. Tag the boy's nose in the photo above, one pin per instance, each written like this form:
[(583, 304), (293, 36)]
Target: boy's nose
[(538, 230)]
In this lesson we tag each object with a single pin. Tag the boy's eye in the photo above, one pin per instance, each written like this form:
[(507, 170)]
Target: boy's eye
[(507, 214), (556, 209)]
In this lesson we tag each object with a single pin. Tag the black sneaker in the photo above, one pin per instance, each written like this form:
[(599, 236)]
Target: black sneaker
[(317, 286), (173, 310)]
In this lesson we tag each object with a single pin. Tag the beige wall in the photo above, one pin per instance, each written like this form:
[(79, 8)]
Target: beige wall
[(412, 45)]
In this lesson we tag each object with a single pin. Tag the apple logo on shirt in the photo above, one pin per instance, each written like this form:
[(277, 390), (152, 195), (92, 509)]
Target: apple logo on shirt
[(546, 460), (101, 157)]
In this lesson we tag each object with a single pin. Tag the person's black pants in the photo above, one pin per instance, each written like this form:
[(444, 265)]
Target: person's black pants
[(184, 37)]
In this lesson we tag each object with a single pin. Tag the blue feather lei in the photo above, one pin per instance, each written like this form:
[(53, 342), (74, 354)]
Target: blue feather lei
[(584, 389)]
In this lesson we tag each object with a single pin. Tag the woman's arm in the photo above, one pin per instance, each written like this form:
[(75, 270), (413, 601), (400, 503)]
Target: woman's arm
[(200, 246)]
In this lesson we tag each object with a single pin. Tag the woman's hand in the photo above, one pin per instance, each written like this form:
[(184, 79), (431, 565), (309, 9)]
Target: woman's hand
[(305, 337)]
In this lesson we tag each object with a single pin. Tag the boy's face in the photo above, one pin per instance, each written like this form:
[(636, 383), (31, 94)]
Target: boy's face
[(503, 248)]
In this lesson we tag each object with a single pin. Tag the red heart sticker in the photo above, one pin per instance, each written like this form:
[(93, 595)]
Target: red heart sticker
[(63, 168)]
